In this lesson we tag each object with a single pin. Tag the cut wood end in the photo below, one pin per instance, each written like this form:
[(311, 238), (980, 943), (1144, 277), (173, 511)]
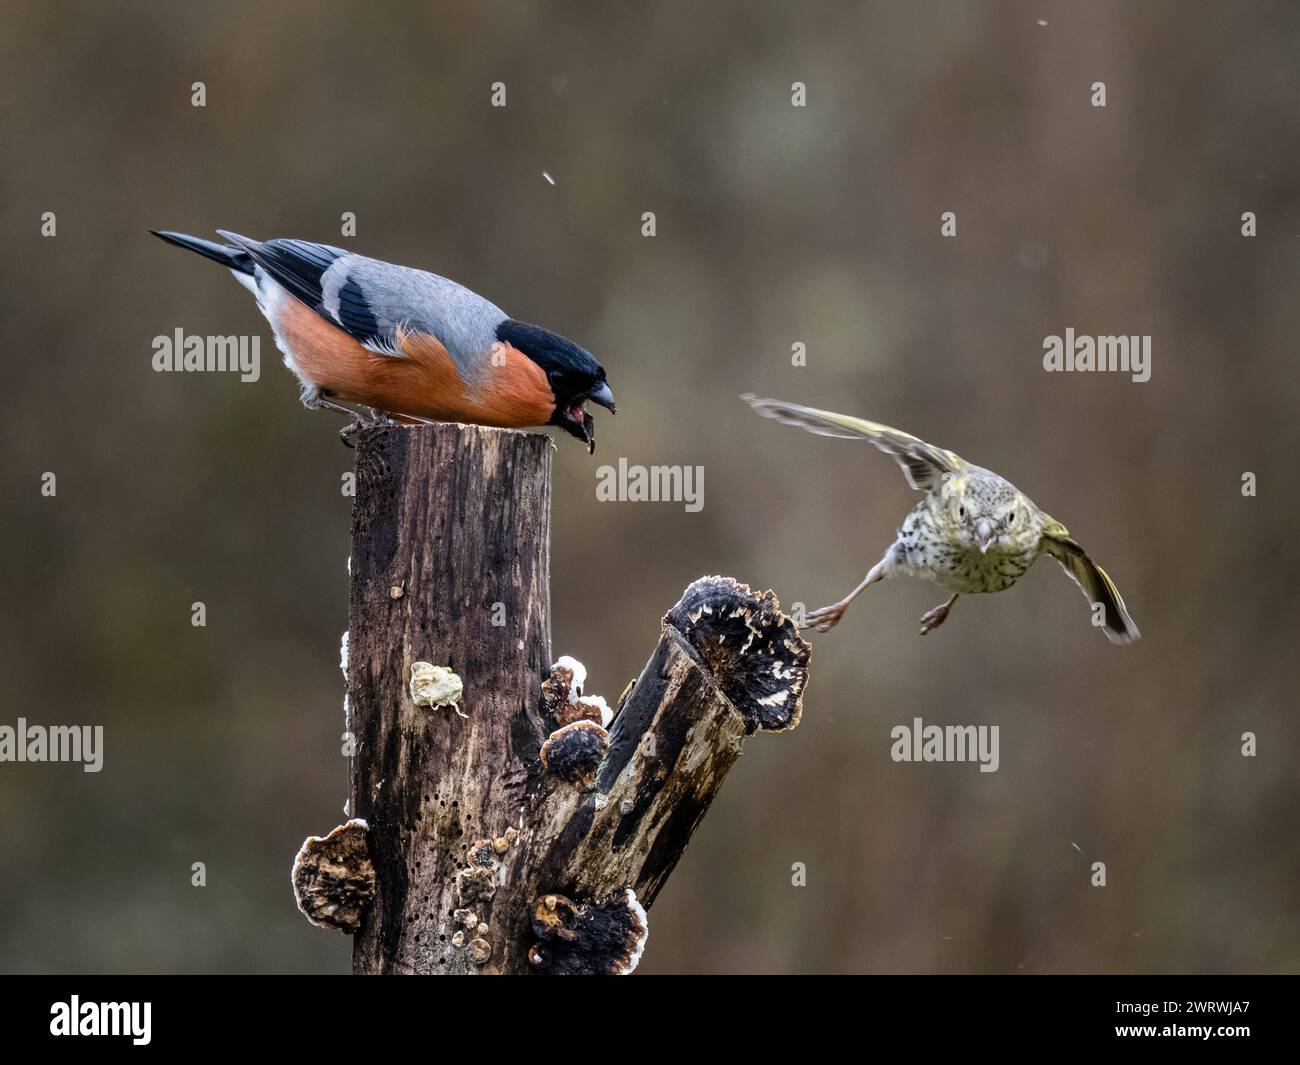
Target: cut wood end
[(383, 449), (334, 877), (753, 650), (605, 937)]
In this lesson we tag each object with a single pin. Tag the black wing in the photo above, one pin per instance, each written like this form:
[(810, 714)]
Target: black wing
[(298, 266)]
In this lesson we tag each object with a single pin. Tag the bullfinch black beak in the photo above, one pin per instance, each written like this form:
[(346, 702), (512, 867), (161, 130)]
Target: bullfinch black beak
[(604, 397), (576, 420)]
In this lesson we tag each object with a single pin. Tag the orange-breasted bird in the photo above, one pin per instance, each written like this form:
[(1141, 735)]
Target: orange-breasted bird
[(407, 343)]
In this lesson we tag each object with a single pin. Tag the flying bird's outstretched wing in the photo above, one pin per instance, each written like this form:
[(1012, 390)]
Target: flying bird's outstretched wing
[(922, 464), (1094, 581)]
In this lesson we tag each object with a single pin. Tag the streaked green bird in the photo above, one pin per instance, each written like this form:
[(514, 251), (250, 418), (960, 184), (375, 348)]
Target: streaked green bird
[(972, 531)]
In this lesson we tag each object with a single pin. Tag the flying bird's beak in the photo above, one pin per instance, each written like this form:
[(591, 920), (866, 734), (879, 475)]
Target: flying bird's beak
[(604, 397), (987, 533)]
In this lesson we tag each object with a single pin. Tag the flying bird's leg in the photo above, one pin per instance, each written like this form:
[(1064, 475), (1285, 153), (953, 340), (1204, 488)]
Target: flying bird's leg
[(932, 619), (827, 617)]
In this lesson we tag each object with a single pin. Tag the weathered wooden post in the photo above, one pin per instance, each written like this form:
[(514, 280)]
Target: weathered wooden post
[(516, 828)]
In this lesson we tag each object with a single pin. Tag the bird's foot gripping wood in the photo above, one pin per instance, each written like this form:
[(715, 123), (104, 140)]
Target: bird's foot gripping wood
[(348, 434), (932, 619), (358, 420)]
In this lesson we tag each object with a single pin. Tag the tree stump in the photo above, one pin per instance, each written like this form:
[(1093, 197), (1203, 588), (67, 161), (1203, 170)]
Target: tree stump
[(515, 828)]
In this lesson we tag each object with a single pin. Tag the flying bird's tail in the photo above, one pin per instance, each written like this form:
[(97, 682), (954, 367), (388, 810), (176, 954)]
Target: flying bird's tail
[(227, 255)]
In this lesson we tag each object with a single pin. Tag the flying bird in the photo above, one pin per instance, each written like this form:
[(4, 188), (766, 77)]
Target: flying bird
[(407, 343), (972, 531)]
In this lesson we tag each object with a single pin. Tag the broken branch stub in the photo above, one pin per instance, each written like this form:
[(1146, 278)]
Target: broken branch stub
[(334, 878), (752, 650), (728, 663)]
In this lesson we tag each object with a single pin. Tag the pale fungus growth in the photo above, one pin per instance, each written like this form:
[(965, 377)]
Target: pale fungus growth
[(577, 676), (588, 708), (435, 686), (563, 686), (563, 699), (598, 704)]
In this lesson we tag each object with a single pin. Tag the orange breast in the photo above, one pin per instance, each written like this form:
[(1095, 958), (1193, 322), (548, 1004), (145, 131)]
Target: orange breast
[(511, 391)]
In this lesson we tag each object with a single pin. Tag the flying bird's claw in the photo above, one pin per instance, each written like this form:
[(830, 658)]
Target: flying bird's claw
[(825, 618), (932, 619)]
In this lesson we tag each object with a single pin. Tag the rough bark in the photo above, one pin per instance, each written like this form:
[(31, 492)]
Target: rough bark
[(450, 532), (728, 663), (524, 836)]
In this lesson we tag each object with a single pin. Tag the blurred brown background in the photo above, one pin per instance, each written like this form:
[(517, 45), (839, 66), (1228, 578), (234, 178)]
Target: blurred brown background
[(775, 225)]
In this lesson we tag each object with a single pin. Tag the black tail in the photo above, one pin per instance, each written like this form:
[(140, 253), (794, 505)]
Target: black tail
[(225, 254)]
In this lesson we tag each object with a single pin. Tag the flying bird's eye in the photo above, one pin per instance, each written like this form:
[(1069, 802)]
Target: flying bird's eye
[(961, 512), (1011, 517)]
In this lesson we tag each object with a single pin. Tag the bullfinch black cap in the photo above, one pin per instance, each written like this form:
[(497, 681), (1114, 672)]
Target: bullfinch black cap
[(572, 372)]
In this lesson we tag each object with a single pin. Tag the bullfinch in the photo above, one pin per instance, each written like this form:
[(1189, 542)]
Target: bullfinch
[(407, 343)]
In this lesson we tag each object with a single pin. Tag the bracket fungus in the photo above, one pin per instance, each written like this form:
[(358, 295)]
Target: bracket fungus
[(475, 884), (600, 938), (563, 686), (334, 877), (587, 708), (574, 753)]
